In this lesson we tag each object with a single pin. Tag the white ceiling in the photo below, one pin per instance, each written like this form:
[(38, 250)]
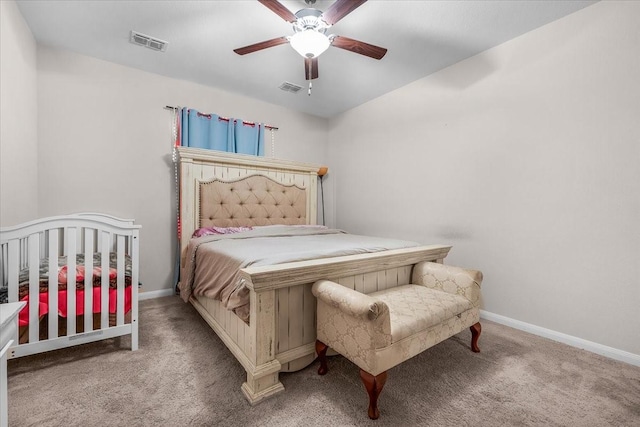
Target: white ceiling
[(421, 37)]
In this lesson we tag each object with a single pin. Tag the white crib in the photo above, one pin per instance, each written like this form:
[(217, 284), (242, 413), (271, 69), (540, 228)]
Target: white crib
[(38, 261)]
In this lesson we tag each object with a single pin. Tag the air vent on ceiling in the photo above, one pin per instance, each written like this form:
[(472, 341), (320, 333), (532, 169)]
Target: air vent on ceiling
[(147, 41), (290, 87)]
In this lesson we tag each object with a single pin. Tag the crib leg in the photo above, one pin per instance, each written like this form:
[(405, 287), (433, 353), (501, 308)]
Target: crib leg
[(134, 333)]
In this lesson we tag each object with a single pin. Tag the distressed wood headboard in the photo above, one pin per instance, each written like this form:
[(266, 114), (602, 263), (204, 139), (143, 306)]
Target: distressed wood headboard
[(225, 189)]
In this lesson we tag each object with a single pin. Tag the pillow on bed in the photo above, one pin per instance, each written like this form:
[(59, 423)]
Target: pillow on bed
[(207, 231)]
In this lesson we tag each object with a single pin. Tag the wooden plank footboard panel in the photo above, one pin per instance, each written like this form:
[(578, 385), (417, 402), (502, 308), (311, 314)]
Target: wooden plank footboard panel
[(295, 342), (296, 307)]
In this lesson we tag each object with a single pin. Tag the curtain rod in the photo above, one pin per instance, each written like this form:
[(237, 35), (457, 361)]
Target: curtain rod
[(169, 107)]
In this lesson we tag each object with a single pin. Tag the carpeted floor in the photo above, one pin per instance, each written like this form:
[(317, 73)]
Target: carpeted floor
[(182, 375)]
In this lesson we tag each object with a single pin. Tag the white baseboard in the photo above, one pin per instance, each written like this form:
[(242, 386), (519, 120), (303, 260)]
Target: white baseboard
[(603, 350), (155, 294)]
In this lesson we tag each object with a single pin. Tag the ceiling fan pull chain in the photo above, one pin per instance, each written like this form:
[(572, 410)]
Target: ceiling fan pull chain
[(309, 78)]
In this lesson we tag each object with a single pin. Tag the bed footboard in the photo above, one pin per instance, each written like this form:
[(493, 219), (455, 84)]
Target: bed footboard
[(79, 277), (281, 333)]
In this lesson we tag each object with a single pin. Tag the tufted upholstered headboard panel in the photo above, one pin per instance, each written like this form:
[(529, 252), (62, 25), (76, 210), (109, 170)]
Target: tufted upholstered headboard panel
[(230, 190), (252, 200)]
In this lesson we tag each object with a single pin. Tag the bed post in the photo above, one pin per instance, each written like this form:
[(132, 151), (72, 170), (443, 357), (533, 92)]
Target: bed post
[(187, 201), (262, 375)]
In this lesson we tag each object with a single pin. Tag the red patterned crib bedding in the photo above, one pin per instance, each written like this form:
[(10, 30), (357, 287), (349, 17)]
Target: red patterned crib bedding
[(63, 279)]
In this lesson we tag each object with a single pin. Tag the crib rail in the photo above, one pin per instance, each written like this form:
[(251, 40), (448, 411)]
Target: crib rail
[(57, 242)]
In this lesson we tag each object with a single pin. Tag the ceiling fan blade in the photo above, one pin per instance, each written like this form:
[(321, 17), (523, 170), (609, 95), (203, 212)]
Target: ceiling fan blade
[(262, 45), (340, 9), (366, 49), (311, 68), (279, 10)]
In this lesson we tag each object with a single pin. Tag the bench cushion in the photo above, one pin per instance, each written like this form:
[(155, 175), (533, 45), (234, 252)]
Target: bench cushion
[(415, 308)]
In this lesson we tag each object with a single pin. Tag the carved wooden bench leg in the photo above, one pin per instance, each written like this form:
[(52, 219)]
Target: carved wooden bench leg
[(374, 388), (475, 334), (321, 349)]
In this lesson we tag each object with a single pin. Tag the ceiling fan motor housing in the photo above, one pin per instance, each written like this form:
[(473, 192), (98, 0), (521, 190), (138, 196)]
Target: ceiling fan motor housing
[(310, 19)]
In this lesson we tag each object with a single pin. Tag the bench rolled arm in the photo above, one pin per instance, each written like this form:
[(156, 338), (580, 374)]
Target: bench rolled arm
[(348, 301), (345, 317), (447, 278)]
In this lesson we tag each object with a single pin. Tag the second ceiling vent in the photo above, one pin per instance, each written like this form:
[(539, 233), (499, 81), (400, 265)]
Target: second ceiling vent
[(290, 87), (148, 41)]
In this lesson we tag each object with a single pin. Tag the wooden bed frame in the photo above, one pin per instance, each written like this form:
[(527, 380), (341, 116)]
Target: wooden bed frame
[(24, 246), (281, 332)]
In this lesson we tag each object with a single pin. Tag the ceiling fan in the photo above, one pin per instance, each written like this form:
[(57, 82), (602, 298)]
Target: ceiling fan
[(309, 38)]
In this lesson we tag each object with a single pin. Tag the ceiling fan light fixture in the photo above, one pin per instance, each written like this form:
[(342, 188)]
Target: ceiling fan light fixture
[(309, 43)]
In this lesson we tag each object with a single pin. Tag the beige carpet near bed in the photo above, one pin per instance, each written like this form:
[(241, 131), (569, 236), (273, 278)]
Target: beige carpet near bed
[(182, 375)]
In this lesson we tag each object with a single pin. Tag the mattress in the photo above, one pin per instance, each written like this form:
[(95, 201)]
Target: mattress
[(213, 262)]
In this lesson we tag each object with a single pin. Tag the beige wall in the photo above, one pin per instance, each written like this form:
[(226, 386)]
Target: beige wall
[(526, 158), (105, 145), (18, 119)]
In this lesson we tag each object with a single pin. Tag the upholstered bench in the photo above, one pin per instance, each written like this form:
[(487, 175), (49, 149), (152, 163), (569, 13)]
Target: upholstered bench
[(383, 329)]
